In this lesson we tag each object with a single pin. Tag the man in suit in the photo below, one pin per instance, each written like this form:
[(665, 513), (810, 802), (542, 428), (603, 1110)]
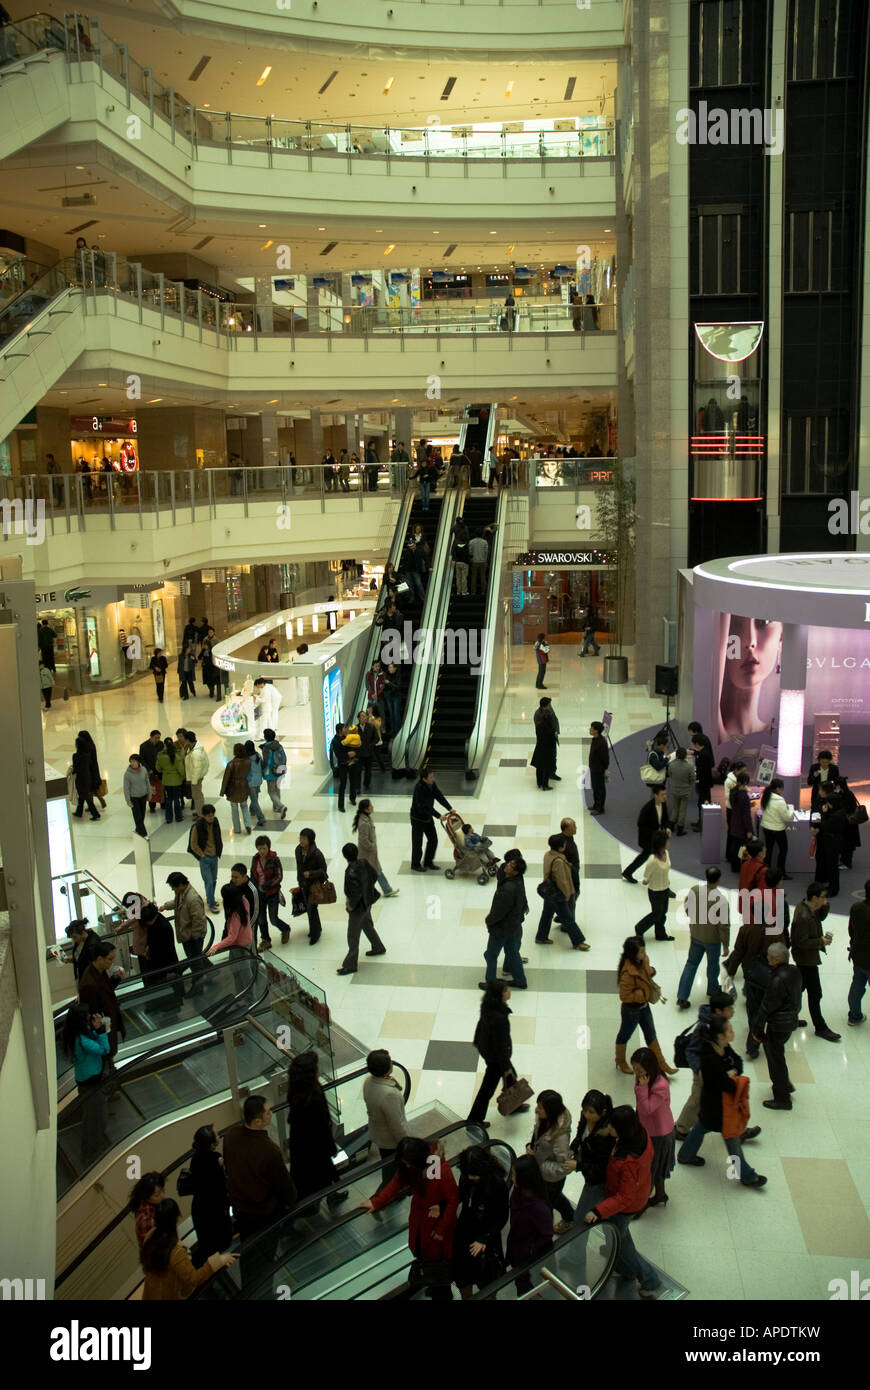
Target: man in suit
[(599, 762), (703, 772), (653, 817), (822, 772)]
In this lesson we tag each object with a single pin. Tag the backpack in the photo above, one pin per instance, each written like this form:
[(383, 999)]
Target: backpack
[(680, 1044), (277, 759)]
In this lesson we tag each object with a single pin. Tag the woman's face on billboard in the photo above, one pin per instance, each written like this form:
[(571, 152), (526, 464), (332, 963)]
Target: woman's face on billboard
[(751, 658)]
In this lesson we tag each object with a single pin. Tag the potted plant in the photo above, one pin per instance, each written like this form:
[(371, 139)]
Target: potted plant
[(617, 521)]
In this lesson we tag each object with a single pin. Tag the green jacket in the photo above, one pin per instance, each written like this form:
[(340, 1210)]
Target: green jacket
[(170, 769)]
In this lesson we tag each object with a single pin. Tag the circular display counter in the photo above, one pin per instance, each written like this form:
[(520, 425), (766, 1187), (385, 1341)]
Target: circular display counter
[(245, 715)]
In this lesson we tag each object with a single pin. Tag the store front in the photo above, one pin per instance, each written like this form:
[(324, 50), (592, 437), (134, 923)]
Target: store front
[(103, 444), (104, 635), (553, 591)]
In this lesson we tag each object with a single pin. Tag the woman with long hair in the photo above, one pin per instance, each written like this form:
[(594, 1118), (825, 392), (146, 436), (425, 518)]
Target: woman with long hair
[(627, 1191), (776, 814), (310, 869), (169, 1271), (96, 774), (83, 780), (637, 989), (210, 1208), (653, 1099), (492, 1038), (591, 1148), (422, 1168), (146, 1196), (483, 1212), (86, 1041), (531, 1218), (549, 1145), (720, 1069), (367, 842), (656, 880), (312, 1143)]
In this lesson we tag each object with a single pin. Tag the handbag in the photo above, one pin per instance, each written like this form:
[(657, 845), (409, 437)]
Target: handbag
[(298, 908), (512, 1097), (653, 776), (735, 1109), (103, 788), (430, 1274), (184, 1185), (860, 816), (548, 890), (320, 893), (655, 993)]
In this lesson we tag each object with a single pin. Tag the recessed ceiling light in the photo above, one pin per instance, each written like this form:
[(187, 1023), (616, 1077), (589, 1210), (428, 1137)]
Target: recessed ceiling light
[(102, 383), (80, 167), (263, 75), (391, 247), (207, 105), (156, 400), (274, 402), (509, 88), (493, 233), (321, 229), (261, 225), (267, 244), (388, 86)]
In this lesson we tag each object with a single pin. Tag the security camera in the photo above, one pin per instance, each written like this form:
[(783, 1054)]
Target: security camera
[(413, 188)]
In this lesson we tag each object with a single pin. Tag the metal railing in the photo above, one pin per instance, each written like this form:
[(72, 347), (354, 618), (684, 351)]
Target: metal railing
[(82, 39)]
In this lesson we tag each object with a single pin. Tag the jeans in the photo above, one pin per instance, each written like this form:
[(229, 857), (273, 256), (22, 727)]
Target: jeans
[(478, 576), (137, 806), (416, 587), (657, 915), (630, 1021), (630, 1261), (691, 1146), (424, 493), (172, 800), (208, 867), (235, 808), (813, 986), (589, 643), (512, 961), (394, 711), (270, 905), (254, 798), (860, 980), (558, 1201), (697, 951), (383, 884), (563, 911), (274, 790)]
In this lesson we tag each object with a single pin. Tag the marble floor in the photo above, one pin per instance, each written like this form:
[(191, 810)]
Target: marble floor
[(810, 1225)]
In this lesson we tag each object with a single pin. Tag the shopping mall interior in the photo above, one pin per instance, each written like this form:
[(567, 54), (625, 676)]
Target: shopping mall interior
[(518, 445)]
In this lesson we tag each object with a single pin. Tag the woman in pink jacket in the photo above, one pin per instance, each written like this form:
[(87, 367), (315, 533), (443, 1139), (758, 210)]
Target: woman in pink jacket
[(238, 936), (627, 1190), (653, 1098)]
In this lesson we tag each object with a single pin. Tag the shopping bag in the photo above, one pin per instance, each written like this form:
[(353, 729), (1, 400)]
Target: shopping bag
[(512, 1097)]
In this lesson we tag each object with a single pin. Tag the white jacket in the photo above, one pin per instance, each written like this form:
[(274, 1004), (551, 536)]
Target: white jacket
[(196, 763), (778, 814)]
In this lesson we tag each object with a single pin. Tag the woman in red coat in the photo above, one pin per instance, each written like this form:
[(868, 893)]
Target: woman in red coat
[(626, 1193), (422, 1167)]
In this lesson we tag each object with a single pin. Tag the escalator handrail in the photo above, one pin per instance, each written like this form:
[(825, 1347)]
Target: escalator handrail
[(121, 1216), (400, 535), (577, 1230), (132, 984), (316, 1236), (474, 744), (421, 691)]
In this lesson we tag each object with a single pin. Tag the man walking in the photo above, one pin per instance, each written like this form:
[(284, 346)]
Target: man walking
[(190, 923), (148, 758), (478, 551), (505, 924), (599, 762), (359, 894), (196, 766), (560, 896), (274, 768), (776, 1020), (426, 793), (259, 1185), (653, 816), (709, 930), (267, 872), (807, 941), (206, 845)]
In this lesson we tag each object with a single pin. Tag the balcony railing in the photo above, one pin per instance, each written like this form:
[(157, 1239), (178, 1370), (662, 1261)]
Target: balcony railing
[(85, 44), (102, 277)]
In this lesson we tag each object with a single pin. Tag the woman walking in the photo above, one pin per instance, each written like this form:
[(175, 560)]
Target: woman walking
[(267, 871), (637, 990), (170, 770), (550, 1146), (235, 788), (210, 1208), (312, 1142), (542, 656), (86, 1041), (543, 759), (627, 1189), (83, 780), (367, 842), (740, 830), (492, 1038), (591, 1148), (653, 1101), (158, 666), (483, 1212), (137, 789), (96, 775), (656, 880), (255, 780), (776, 814), (169, 1272), (724, 1102), (310, 869)]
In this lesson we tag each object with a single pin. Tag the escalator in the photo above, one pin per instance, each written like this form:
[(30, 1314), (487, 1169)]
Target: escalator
[(478, 431), (109, 1262), (455, 699)]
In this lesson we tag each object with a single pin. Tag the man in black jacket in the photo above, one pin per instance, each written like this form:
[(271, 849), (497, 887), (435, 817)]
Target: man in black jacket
[(505, 924), (338, 758), (359, 894), (703, 772), (148, 758), (259, 1185), (426, 793), (776, 1020), (807, 942), (859, 954), (653, 816), (599, 762), (824, 773)]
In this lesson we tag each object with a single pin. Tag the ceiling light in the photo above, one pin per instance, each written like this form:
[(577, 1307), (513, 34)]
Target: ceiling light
[(448, 88), (80, 167), (509, 88), (267, 244), (261, 225), (263, 75), (391, 247), (388, 86), (321, 229), (206, 105), (102, 383), (155, 401), (274, 402), (493, 233)]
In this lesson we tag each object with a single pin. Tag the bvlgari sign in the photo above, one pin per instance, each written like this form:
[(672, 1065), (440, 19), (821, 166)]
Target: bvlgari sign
[(540, 559)]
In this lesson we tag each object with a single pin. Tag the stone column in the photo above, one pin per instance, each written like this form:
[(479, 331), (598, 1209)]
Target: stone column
[(309, 443), (790, 721)]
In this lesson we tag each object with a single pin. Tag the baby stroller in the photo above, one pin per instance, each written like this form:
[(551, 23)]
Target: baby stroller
[(468, 859)]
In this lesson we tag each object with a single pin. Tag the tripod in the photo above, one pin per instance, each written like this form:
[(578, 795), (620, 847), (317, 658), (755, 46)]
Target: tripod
[(668, 729)]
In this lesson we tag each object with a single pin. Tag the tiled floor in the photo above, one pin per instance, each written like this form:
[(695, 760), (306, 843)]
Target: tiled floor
[(811, 1222)]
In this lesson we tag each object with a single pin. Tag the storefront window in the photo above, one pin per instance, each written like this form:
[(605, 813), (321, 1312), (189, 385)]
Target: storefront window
[(557, 602)]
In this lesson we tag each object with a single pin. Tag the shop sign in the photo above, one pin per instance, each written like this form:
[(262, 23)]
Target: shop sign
[(329, 663), (137, 600), (76, 595), (538, 559), (102, 424), (50, 596), (224, 663)]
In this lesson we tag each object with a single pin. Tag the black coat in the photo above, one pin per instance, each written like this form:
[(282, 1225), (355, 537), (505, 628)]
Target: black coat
[(359, 884), (813, 781), (338, 752), (148, 754), (648, 823), (599, 755), (859, 935), (210, 1208), (593, 1149), (161, 946), (780, 1006), (492, 1036), (505, 916), (704, 772), (314, 862), (483, 1215), (423, 802), (86, 954), (546, 739), (715, 1080), (312, 1144)]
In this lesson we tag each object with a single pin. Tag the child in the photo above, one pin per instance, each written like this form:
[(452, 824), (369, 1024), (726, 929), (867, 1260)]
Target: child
[(354, 772), (46, 680), (653, 1096), (472, 840)]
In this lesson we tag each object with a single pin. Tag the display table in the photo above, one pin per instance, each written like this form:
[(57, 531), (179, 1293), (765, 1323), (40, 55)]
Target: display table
[(245, 715)]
